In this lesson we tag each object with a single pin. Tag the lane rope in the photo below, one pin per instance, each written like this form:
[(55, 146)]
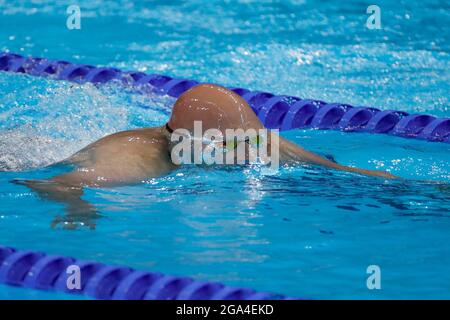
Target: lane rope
[(37, 270), (275, 111)]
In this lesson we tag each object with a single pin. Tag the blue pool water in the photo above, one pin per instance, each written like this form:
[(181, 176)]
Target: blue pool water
[(303, 232)]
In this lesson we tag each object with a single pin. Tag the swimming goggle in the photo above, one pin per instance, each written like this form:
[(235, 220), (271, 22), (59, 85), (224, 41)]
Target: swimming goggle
[(228, 145)]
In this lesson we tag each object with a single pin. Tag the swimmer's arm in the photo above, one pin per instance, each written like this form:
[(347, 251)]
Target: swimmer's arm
[(67, 188), (290, 152), (58, 190), (114, 171)]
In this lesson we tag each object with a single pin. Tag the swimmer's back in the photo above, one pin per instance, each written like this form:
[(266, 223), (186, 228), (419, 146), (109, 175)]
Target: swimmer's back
[(125, 155)]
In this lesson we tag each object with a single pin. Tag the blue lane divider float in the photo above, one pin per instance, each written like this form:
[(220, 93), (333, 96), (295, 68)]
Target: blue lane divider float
[(37, 270), (280, 112)]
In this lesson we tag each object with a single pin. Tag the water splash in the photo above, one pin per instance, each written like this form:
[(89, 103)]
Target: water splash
[(43, 121)]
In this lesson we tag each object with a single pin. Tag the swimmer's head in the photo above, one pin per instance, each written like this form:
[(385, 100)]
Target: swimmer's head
[(216, 107)]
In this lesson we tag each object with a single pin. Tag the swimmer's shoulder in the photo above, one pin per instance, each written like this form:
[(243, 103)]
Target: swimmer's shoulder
[(137, 141), (142, 150), (142, 135)]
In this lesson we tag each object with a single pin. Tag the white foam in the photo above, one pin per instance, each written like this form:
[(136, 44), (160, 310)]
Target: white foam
[(45, 121)]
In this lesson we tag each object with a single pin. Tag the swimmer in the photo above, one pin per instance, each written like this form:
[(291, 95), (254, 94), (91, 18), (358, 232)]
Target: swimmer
[(130, 157)]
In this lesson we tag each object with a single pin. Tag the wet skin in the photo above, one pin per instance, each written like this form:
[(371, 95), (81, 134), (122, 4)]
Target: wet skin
[(130, 157)]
